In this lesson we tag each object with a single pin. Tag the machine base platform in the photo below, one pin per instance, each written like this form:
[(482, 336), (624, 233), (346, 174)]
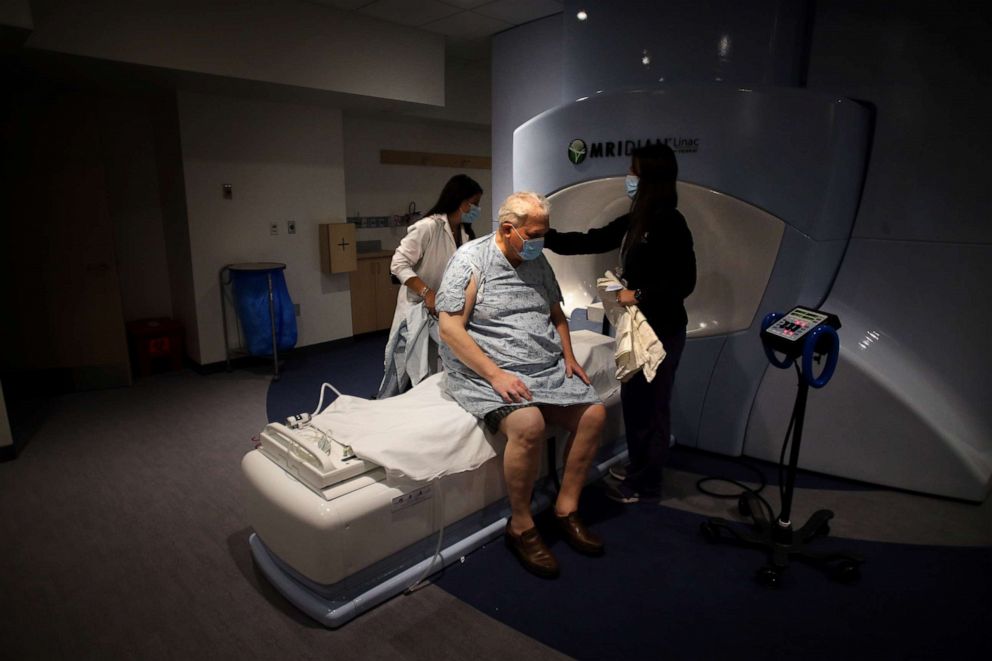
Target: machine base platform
[(335, 605)]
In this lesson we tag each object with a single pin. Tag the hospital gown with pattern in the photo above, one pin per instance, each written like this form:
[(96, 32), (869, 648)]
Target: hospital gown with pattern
[(511, 323)]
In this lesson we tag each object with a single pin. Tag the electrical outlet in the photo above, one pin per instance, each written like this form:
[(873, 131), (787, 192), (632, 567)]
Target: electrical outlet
[(407, 499), (291, 227), (274, 229)]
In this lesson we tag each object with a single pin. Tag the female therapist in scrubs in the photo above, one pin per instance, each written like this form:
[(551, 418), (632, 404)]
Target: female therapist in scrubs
[(419, 263), (658, 266)]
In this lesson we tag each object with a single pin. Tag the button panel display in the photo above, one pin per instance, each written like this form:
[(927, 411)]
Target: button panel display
[(796, 324)]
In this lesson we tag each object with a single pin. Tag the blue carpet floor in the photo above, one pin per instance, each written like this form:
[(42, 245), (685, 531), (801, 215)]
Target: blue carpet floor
[(662, 592)]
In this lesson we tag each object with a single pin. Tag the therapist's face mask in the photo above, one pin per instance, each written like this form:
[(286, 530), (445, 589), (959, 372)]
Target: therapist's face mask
[(472, 214), (532, 247), (630, 181)]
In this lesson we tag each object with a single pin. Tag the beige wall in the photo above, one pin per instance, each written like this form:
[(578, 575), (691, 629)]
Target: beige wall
[(374, 189), (284, 162)]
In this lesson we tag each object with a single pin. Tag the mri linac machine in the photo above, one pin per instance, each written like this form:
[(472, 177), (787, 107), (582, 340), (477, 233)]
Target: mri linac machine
[(769, 183)]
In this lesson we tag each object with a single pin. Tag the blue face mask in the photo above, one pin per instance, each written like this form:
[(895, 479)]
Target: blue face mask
[(532, 247), (472, 214), (631, 183)]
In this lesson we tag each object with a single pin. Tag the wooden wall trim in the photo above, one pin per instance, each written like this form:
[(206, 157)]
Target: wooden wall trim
[(461, 161)]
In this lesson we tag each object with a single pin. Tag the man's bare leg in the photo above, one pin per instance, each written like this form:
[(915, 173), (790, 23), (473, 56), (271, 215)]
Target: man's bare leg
[(524, 429), (585, 426)]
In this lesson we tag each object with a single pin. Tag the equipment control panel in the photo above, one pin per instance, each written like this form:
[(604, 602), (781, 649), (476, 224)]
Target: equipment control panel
[(788, 333)]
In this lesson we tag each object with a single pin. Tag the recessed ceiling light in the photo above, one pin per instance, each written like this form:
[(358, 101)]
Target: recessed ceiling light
[(582, 15)]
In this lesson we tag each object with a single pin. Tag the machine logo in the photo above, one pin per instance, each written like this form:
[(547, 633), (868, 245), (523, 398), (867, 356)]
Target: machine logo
[(577, 151)]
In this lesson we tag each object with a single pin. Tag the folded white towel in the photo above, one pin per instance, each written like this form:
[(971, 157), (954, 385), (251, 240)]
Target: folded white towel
[(637, 348)]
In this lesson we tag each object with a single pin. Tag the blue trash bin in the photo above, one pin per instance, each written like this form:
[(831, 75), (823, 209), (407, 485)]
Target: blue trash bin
[(250, 288)]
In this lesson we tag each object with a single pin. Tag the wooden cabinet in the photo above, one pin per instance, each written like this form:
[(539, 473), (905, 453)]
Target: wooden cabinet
[(338, 245), (373, 295)]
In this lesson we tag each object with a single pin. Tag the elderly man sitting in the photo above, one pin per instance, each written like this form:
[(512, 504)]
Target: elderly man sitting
[(508, 357)]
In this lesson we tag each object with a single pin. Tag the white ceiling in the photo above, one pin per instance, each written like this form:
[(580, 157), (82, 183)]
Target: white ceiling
[(467, 25)]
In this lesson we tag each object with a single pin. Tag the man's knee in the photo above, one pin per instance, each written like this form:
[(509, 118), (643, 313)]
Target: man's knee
[(593, 418), (524, 426)]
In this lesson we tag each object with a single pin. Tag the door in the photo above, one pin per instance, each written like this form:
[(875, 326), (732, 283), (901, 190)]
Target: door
[(60, 283)]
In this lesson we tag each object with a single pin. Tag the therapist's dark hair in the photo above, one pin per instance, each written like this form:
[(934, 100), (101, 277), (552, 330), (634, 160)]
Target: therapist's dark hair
[(657, 171), (458, 189)]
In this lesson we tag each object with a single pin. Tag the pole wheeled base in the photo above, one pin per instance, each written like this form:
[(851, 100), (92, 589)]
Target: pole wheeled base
[(782, 543)]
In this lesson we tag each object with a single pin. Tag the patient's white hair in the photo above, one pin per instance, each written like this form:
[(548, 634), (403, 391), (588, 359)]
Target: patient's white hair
[(518, 206)]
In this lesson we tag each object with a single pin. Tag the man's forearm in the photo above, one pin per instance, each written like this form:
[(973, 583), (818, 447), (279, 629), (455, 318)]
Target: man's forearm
[(454, 334), (560, 322), (566, 341)]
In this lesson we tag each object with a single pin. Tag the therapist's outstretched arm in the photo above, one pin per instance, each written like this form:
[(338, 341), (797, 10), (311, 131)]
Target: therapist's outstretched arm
[(595, 241), (453, 327)]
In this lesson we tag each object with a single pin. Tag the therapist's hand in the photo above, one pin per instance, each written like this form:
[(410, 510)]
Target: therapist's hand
[(430, 300), (510, 388), (626, 297), (573, 367)]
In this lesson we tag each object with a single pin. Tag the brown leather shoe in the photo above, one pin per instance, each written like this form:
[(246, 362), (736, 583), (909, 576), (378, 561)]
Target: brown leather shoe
[(533, 554), (578, 536)]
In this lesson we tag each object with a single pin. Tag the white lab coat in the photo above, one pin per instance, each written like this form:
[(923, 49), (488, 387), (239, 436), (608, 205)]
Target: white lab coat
[(424, 252)]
